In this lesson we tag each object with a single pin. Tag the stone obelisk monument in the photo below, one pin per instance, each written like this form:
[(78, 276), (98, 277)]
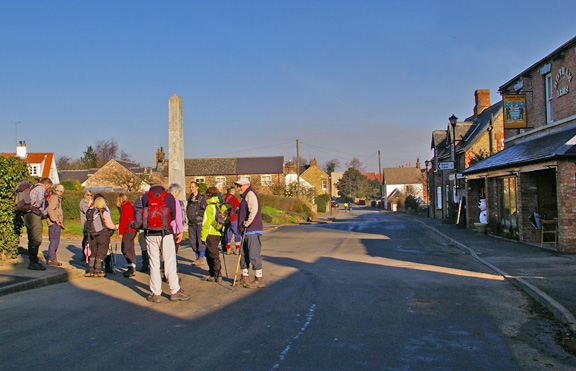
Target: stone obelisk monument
[(176, 145)]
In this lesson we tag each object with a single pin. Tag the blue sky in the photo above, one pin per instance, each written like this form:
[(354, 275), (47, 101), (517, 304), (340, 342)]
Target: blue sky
[(345, 78)]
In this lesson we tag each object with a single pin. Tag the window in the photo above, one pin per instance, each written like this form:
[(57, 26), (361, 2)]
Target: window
[(439, 198), (507, 207), (221, 179), (200, 180), (266, 180), (324, 184), (34, 170), (549, 95)]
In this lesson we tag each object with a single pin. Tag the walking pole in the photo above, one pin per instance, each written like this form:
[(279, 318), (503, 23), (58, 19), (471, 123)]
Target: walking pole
[(239, 257)]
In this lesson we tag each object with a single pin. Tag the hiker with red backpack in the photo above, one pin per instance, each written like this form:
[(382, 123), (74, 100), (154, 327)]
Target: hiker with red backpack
[(159, 209), (232, 229)]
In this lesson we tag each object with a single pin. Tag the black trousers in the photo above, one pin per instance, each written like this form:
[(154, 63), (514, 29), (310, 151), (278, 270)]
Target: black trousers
[(213, 256)]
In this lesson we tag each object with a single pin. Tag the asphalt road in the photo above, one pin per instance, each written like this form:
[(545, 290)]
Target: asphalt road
[(370, 292)]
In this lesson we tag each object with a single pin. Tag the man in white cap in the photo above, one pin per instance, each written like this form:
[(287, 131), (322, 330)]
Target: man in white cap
[(251, 226)]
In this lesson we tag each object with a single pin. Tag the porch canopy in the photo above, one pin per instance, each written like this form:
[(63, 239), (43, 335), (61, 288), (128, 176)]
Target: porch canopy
[(538, 148)]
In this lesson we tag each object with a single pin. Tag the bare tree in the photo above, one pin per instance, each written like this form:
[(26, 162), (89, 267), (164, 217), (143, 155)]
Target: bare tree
[(356, 164), (106, 150), (331, 165)]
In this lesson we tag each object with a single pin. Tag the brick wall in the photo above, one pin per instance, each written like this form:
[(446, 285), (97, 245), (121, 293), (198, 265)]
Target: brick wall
[(535, 90), (566, 190), (527, 204)]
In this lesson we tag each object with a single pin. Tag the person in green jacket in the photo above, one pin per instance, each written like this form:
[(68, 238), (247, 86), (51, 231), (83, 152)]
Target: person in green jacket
[(211, 234)]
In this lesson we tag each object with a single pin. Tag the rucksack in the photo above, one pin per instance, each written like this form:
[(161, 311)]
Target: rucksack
[(195, 209), (156, 216), (222, 216), (93, 225), (22, 200)]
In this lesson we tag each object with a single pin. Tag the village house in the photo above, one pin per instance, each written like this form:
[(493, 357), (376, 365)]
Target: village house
[(455, 149), (40, 165), (311, 176), (400, 182), (530, 184), (116, 176), (264, 172)]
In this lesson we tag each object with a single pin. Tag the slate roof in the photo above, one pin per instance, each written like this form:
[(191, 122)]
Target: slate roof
[(469, 131), (79, 175), (542, 148), (234, 166)]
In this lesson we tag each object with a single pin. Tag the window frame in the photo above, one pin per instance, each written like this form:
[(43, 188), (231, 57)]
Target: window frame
[(267, 182)]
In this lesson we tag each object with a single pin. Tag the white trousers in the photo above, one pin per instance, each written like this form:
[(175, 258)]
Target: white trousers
[(169, 256)]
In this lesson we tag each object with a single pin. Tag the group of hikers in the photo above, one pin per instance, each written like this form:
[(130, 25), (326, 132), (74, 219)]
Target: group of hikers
[(159, 219)]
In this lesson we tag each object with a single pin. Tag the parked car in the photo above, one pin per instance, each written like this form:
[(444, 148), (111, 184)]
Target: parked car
[(334, 203)]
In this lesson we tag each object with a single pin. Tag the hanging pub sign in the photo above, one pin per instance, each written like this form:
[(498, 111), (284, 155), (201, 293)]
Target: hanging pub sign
[(514, 111)]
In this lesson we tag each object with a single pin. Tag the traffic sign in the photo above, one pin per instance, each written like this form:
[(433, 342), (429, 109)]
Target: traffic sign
[(448, 165)]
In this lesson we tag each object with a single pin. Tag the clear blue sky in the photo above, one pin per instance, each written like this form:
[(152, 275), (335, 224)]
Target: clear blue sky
[(346, 78)]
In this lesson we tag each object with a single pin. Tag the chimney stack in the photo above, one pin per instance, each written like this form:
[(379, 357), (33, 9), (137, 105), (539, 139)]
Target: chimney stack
[(482, 98), (21, 149)]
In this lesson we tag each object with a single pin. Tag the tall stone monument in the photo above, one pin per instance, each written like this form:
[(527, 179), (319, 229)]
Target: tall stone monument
[(176, 145)]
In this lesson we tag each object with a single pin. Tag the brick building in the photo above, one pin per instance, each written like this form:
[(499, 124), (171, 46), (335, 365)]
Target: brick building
[(476, 137), (310, 175), (535, 172)]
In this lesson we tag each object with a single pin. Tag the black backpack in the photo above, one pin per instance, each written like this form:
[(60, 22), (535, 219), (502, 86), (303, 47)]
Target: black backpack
[(93, 225)]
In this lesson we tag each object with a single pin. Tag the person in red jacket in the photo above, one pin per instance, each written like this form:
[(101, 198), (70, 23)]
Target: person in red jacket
[(127, 232), (232, 229)]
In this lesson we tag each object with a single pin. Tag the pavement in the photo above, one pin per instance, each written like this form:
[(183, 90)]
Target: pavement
[(546, 275)]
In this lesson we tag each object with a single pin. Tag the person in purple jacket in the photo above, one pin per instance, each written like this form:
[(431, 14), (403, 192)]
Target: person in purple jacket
[(250, 225)]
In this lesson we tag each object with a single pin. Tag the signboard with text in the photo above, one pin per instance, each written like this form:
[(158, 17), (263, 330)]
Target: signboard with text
[(448, 165)]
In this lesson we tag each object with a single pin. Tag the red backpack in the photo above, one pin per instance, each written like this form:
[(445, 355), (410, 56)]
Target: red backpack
[(156, 216)]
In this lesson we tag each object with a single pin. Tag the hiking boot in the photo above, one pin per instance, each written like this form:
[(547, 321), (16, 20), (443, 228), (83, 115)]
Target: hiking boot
[(229, 251), (208, 278), (258, 283), (154, 298), (218, 279), (36, 266), (99, 274), (243, 281), (129, 272), (180, 295), (200, 261), (54, 263), (89, 274)]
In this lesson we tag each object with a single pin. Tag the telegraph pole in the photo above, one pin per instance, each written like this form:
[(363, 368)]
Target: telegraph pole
[(380, 174), (297, 168)]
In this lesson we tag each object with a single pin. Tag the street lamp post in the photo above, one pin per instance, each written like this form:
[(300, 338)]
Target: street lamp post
[(453, 120)]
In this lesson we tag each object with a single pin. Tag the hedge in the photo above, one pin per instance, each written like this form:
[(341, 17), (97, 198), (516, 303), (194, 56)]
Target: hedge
[(12, 170)]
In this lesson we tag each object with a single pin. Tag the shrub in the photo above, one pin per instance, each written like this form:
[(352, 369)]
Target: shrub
[(322, 202), (71, 185), (12, 170), (411, 202), (71, 202)]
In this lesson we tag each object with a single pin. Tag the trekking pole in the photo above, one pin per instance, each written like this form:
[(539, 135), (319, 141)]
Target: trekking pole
[(239, 257)]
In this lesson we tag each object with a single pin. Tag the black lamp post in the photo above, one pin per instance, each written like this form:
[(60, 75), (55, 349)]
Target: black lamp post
[(453, 120)]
